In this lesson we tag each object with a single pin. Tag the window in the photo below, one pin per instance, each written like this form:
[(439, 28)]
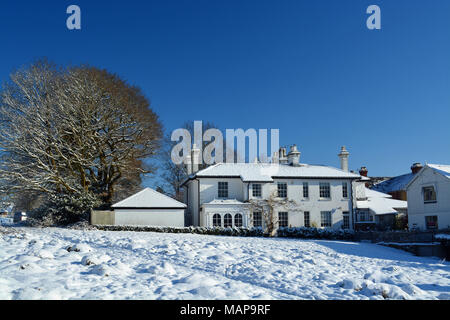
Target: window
[(305, 190), (431, 222), (256, 189), (325, 219), (283, 219), (228, 220), (306, 219), (346, 220), (344, 190), (282, 190), (364, 216), (257, 219), (429, 194), (325, 190), (238, 220), (223, 189), (217, 220)]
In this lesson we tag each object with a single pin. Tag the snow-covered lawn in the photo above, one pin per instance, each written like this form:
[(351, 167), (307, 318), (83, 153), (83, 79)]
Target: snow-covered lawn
[(37, 264)]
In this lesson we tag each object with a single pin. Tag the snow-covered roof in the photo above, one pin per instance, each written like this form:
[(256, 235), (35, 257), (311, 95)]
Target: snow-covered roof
[(381, 203), (394, 184), (265, 172), (441, 169), (149, 198), (225, 201)]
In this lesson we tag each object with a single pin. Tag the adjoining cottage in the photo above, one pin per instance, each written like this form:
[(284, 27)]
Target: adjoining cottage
[(429, 198), (149, 208), (378, 210)]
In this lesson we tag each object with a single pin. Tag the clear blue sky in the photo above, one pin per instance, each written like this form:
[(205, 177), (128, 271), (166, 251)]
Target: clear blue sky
[(308, 67)]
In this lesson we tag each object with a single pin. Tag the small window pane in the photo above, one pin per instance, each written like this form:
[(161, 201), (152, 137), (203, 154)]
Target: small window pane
[(325, 190), (325, 219), (346, 220), (238, 220), (283, 219), (256, 187), (282, 190), (429, 194), (257, 219), (344, 190), (305, 190), (217, 220), (223, 190), (431, 222), (228, 220), (306, 218)]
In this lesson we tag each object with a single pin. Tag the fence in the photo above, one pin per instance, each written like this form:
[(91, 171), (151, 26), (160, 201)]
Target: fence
[(398, 236), (102, 218)]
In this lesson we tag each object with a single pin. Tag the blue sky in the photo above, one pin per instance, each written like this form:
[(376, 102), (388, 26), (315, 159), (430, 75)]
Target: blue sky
[(310, 68)]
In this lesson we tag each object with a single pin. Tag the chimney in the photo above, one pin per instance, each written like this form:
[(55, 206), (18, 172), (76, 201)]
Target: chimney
[(188, 163), (195, 156), (283, 159), (416, 167), (344, 158), (363, 172), (275, 157), (294, 156)]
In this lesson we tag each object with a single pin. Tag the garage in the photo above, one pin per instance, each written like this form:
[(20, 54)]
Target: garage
[(149, 208)]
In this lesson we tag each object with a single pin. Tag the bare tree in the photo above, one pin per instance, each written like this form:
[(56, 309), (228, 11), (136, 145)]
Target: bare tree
[(268, 209), (73, 131)]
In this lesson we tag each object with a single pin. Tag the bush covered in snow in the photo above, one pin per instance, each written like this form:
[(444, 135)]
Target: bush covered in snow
[(218, 231), (303, 233), (316, 233)]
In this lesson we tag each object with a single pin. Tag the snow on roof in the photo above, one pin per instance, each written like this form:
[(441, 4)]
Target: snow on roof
[(441, 169), (224, 201), (265, 172), (381, 203), (394, 184), (375, 194), (149, 198)]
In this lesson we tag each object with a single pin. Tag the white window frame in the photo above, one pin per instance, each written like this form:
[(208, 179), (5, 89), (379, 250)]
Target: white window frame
[(305, 190), (257, 190), (345, 190), (325, 188), (257, 216), (285, 215), (284, 191), (326, 219), (241, 219), (220, 188), (434, 191), (307, 218)]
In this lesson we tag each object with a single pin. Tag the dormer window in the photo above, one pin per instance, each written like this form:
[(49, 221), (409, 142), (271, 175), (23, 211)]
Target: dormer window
[(256, 190), (429, 194), (223, 190)]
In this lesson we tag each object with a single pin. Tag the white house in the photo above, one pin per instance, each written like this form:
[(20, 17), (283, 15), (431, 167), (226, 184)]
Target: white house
[(429, 198), (221, 194), (149, 208)]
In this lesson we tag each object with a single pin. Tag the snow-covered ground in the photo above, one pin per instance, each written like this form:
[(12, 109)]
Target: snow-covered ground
[(70, 264)]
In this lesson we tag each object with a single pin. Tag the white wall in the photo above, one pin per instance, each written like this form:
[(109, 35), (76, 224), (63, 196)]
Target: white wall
[(149, 217), (209, 189), (418, 210)]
